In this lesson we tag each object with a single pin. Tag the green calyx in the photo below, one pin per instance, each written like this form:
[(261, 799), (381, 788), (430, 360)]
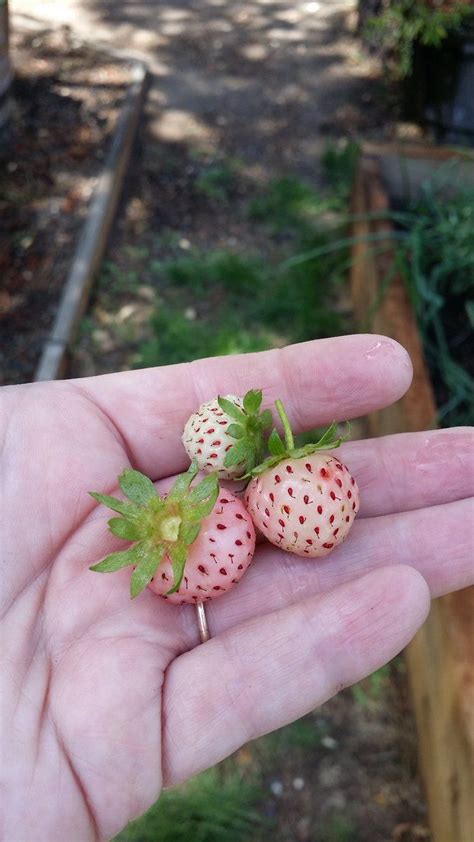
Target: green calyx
[(283, 449), (159, 526), (247, 428)]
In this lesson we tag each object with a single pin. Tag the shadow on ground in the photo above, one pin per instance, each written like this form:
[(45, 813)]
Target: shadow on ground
[(265, 81)]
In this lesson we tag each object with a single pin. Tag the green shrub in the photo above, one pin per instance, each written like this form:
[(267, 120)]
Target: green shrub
[(407, 22)]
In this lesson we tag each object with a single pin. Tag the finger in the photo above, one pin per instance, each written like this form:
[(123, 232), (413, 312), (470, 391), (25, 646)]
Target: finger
[(412, 470), (438, 542), (403, 472), (270, 671), (319, 382)]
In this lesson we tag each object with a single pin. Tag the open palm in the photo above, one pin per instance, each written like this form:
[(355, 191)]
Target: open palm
[(105, 700)]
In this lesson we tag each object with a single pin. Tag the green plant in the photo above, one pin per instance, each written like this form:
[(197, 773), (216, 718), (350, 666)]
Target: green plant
[(289, 204), (218, 180), (222, 302), (114, 279), (433, 248), (436, 258), (200, 272), (305, 734), (338, 828), (372, 687), (217, 806), (180, 339), (406, 22), (339, 161)]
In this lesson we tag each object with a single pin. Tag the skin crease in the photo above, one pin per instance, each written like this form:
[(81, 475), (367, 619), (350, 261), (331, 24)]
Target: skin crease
[(104, 700)]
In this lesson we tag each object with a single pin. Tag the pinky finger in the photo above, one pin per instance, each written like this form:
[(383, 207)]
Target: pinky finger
[(270, 671)]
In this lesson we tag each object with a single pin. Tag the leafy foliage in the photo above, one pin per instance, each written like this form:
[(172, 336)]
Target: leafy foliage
[(436, 258), (433, 246), (406, 22)]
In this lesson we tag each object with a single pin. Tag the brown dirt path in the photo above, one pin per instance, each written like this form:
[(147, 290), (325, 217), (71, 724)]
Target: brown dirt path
[(266, 79)]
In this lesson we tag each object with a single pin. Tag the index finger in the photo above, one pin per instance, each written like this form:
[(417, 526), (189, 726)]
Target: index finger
[(319, 382)]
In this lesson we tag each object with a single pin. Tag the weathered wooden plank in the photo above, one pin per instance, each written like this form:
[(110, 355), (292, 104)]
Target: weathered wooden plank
[(441, 658), (93, 239)]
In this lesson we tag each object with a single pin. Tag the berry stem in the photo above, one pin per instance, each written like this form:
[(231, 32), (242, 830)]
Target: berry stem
[(289, 441)]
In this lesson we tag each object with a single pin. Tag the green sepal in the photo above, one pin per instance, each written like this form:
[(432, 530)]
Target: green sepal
[(189, 532), (199, 511), (137, 487), (266, 419), (231, 409), (145, 570), (253, 401), (280, 449), (276, 445), (149, 524), (121, 506), (126, 529), (238, 453), (329, 436), (248, 427), (264, 466), (207, 489), (236, 431), (115, 561), (178, 555), (183, 482)]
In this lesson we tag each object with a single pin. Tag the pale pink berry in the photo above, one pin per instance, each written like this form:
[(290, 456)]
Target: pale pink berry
[(191, 545), (217, 559), (304, 505)]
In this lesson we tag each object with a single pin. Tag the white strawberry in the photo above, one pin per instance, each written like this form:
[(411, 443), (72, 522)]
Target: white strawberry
[(226, 435), (303, 500)]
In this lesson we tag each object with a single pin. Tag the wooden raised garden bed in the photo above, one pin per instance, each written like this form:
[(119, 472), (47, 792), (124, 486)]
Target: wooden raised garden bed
[(441, 657)]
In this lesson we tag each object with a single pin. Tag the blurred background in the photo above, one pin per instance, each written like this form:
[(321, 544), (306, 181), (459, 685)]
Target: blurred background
[(288, 170)]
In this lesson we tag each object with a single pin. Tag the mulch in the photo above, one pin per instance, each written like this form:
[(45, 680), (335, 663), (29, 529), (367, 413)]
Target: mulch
[(62, 110)]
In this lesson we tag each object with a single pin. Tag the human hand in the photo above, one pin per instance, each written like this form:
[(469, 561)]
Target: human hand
[(105, 700)]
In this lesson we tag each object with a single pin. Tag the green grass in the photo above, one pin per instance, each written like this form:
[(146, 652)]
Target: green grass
[(179, 339), (372, 687), (219, 180), (339, 162), (220, 302), (338, 828), (241, 304), (114, 280), (248, 302), (288, 205), (305, 734), (216, 806)]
